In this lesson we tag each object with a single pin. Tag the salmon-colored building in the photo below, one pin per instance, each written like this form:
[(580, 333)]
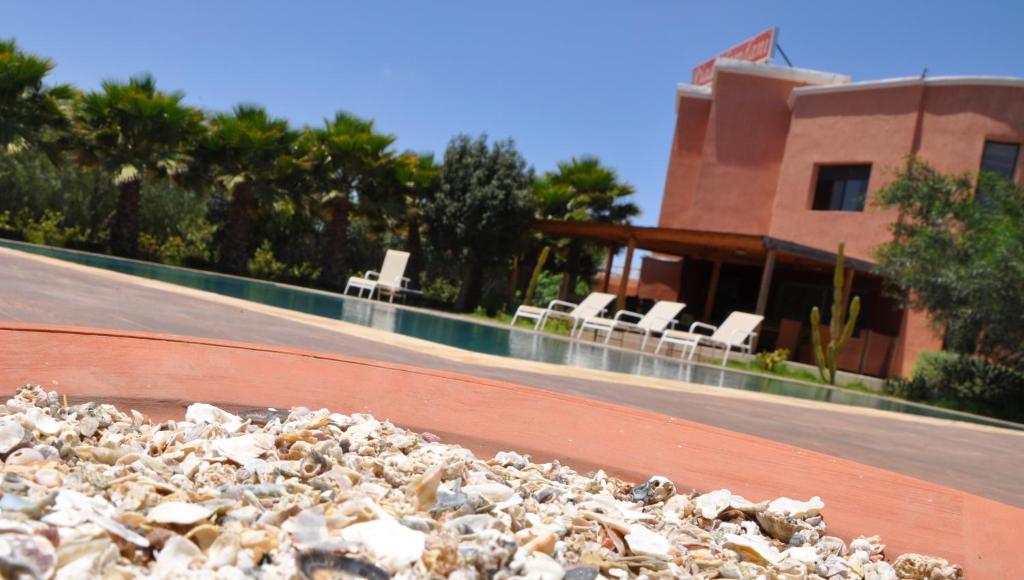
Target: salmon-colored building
[(772, 167)]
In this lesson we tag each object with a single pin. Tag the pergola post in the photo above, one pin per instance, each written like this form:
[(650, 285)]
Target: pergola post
[(766, 284), (709, 304), (624, 279), (608, 268)]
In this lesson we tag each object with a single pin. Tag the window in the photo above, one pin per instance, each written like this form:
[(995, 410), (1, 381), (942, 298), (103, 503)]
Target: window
[(841, 187), (1000, 158)]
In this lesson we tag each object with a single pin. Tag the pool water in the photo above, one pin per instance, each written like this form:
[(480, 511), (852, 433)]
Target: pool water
[(488, 339)]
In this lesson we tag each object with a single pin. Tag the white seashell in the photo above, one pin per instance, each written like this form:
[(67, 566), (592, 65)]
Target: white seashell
[(178, 512), (642, 540), (244, 449), (392, 543), (751, 549), (802, 554), (796, 509), (307, 526), (224, 550), (176, 557), (12, 434), (710, 504), (203, 413), (540, 566), (88, 425), (47, 425), (24, 456), (34, 551), (492, 492), (86, 558)]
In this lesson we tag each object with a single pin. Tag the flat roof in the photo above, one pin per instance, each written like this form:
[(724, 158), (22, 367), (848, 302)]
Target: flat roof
[(730, 65), (893, 83), (727, 247)]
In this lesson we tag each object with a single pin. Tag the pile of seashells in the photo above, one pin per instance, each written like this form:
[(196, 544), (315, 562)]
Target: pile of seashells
[(89, 491)]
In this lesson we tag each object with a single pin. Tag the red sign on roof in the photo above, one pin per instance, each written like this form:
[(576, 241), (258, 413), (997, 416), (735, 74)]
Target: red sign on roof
[(756, 49)]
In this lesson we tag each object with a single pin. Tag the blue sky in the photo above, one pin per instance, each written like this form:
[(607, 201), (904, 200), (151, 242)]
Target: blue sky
[(563, 78)]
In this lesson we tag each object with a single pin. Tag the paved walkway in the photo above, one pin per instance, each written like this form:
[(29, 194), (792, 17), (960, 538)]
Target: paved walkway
[(981, 460)]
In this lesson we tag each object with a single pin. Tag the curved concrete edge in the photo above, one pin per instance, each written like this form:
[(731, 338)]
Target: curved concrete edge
[(161, 374)]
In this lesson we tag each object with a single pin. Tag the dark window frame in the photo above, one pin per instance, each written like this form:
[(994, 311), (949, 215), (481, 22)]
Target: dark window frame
[(818, 200), (1013, 167)]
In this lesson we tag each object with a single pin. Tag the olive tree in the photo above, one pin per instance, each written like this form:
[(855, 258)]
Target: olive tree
[(482, 210)]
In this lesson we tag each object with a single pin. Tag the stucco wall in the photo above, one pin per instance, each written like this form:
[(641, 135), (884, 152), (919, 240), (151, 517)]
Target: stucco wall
[(684, 162), (743, 148)]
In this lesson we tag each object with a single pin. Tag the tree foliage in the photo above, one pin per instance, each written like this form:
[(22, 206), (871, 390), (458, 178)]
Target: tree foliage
[(482, 209), (31, 113), (958, 252), (133, 131)]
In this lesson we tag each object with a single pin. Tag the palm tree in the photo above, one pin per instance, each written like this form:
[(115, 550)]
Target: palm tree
[(136, 132), (248, 151), (582, 189), (350, 165), (29, 110)]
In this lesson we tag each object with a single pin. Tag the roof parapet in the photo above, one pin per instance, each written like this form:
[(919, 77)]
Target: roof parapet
[(894, 83)]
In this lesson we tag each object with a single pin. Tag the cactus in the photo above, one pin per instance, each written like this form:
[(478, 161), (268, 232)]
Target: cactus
[(839, 331)]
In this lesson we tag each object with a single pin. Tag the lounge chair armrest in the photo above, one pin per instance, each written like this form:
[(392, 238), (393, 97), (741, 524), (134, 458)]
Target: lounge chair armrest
[(562, 303), (703, 326), (621, 313), (371, 275), (406, 281)]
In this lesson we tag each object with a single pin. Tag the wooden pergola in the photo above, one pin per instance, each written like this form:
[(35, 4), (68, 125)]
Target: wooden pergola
[(715, 247)]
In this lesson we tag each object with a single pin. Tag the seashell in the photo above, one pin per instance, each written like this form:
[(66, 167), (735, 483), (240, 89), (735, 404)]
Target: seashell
[(26, 554), (24, 456), (307, 527), (204, 535), (392, 543), (12, 434), (796, 509), (88, 426), (656, 489), (709, 505), (642, 540), (244, 449), (319, 563), (203, 413), (492, 492), (930, 567), (581, 573), (540, 566), (313, 464), (424, 488), (779, 526), (178, 512), (87, 558), (177, 555), (102, 455), (753, 550), (224, 550), (511, 459)]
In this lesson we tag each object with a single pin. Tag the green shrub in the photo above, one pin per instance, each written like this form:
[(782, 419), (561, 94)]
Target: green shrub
[(263, 264), (964, 382), (439, 289), (48, 229), (769, 360)]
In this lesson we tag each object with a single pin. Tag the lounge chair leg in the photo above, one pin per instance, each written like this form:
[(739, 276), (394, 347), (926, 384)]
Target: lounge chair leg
[(643, 343)]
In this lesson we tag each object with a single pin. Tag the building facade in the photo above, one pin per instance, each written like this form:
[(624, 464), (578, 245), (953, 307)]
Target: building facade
[(794, 157)]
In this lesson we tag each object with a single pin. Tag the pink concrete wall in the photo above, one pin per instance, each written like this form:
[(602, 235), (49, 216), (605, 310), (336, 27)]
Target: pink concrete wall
[(875, 127), (743, 148), (684, 162)]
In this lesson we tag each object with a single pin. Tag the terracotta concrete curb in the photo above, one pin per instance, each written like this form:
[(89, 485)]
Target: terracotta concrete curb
[(160, 374)]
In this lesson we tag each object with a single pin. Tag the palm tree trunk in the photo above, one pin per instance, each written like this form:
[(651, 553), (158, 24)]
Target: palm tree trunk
[(234, 253), (471, 288), (414, 245), (568, 286), (333, 274), (124, 232)]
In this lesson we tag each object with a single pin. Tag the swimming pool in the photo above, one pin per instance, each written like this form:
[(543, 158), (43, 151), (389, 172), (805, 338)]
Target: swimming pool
[(486, 338)]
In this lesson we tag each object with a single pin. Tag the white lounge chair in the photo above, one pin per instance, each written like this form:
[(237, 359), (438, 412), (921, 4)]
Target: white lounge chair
[(593, 305), (389, 280), (738, 331), (658, 319)]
